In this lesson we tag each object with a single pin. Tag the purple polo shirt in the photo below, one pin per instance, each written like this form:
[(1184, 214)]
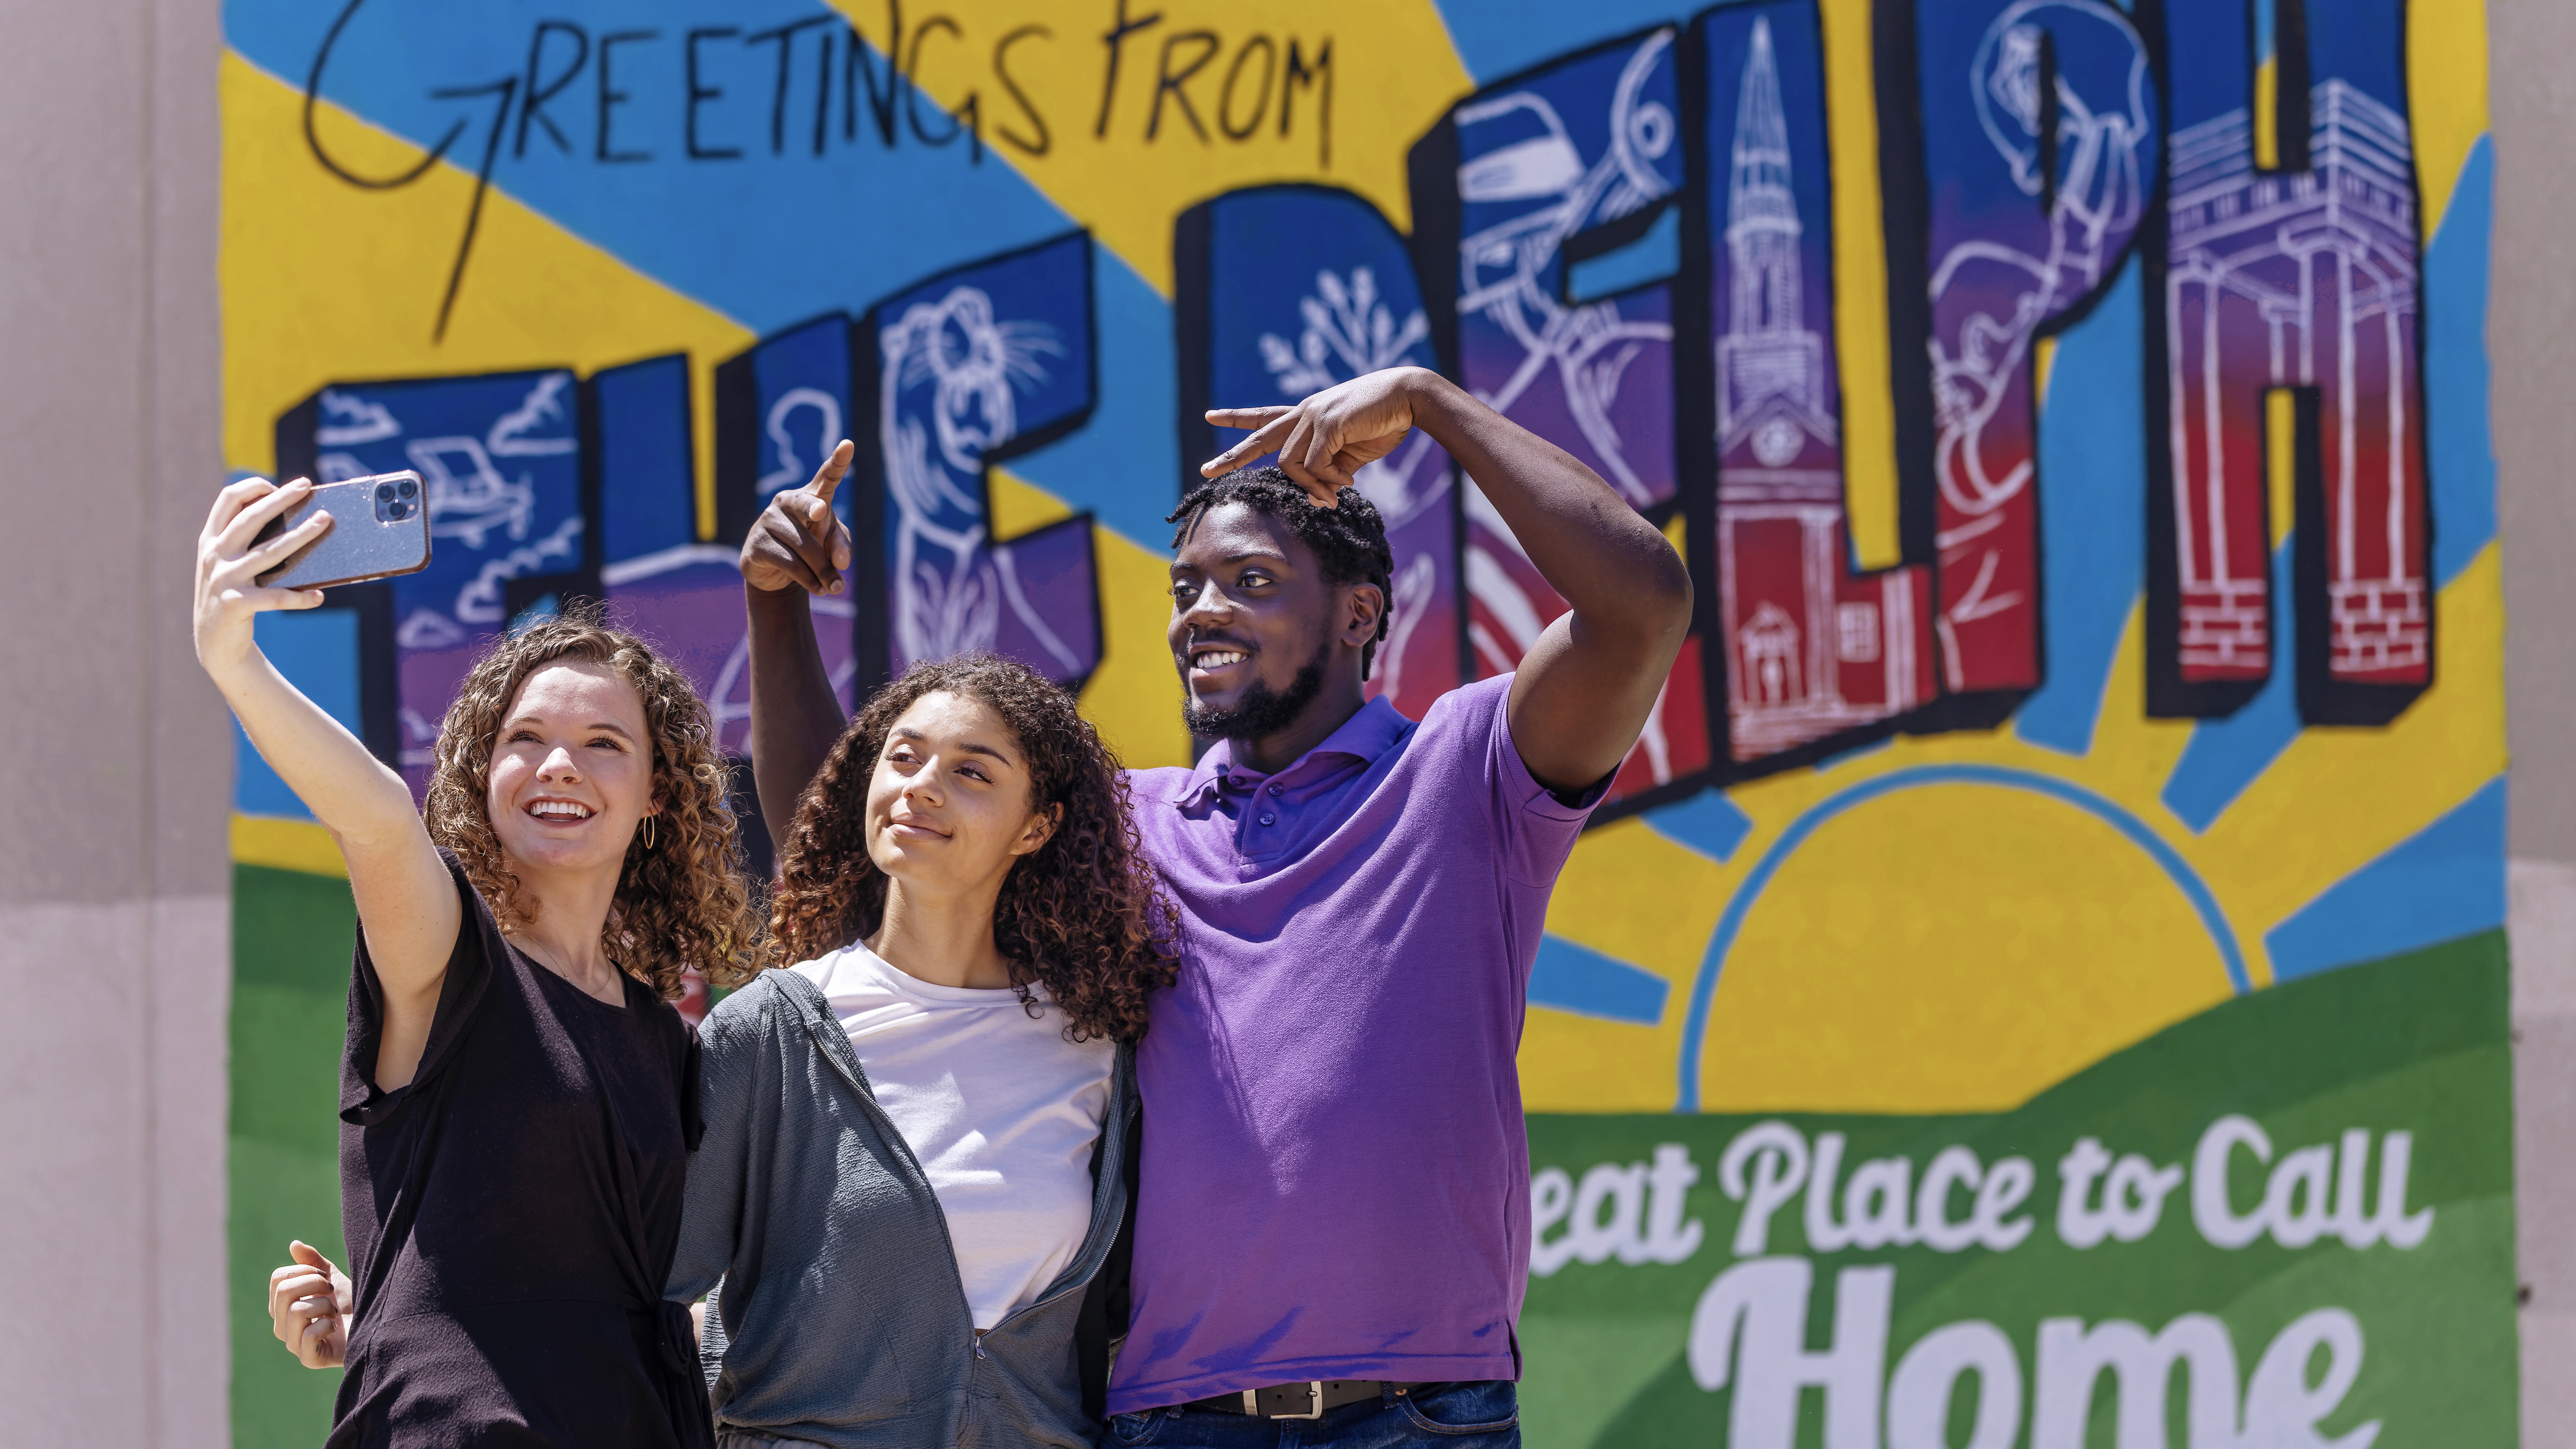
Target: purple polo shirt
[(1336, 1176)]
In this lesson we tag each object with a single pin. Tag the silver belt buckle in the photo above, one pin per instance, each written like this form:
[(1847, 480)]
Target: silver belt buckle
[(1315, 1395)]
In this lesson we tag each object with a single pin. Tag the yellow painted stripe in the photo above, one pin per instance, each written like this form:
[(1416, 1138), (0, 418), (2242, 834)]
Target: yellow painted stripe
[(1191, 115), (283, 844), (2267, 114), (1860, 286), (2446, 96), (2280, 457)]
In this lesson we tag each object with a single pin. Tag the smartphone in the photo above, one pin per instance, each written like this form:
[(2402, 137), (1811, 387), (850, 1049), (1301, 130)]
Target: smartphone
[(379, 529)]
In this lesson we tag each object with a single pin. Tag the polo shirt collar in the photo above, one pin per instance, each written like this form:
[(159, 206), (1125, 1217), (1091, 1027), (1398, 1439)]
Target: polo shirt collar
[(1363, 737)]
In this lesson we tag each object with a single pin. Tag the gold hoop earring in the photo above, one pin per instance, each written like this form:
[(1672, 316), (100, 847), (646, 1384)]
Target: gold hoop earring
[(648, 832)]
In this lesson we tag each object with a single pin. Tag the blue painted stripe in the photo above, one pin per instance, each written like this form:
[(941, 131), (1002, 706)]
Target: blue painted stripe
[(2092, 518), (2443, 882), (1578, 979), (2456, 445), (2226, 755), (1731, 922), (1707, 822), (1654, 257)]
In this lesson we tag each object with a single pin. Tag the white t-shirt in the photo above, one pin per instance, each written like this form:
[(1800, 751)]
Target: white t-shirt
[(1001, 1109)]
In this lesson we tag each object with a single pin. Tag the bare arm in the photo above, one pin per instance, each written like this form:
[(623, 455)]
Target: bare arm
[(1584, 690), (407, 903), (797, 548)]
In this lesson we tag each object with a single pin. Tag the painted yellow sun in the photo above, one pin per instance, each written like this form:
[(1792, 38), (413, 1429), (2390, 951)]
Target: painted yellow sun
[(1958, 922)]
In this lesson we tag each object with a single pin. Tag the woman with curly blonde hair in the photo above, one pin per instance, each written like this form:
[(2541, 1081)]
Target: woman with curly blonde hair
[(516, 1090), (918, 1133)]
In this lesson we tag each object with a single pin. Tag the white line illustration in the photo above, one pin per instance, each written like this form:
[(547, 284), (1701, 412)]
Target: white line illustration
[(2101, 190), (1502, 269), (948, 590), (2297, 280), (1779, 480), (793, 471)]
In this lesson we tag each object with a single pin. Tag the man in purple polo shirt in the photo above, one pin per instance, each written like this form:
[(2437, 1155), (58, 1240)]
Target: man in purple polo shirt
[(1333, 1217)]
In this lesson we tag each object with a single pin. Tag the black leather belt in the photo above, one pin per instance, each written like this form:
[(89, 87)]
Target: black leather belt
[(1308, 1400)]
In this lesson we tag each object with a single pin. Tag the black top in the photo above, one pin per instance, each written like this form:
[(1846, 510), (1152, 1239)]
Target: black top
[(512, 1213)]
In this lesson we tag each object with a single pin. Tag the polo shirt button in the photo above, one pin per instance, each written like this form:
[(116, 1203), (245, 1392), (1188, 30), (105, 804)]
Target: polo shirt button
[(1269, 819), (1274, 789)]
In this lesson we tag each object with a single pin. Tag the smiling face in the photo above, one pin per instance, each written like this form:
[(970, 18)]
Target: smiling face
[(572, 770), (1255, 625), (951, 803)]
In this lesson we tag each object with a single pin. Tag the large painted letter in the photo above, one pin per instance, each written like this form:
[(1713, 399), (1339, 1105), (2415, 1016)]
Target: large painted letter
[(2039, 146), (655, 573), (967, 368), (1814, 649), (2286, 264), (499, 456), (1284, 291), (781, 407), (1578, 161)]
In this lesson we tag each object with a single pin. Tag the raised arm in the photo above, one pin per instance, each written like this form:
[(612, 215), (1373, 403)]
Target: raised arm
[(407, 902), (1584, 689), (797, 548)]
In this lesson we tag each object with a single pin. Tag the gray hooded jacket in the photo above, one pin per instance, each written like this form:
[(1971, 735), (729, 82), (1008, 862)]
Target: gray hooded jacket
[(840, 1318)]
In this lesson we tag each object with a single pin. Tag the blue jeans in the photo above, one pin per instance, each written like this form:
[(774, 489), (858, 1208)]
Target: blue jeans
[(1475, 1415)]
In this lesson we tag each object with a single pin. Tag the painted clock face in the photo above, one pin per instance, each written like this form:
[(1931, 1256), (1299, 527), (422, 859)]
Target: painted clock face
[(1776, 442)]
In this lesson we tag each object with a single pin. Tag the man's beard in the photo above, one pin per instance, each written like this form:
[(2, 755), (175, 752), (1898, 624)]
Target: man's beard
[(1263, 711)]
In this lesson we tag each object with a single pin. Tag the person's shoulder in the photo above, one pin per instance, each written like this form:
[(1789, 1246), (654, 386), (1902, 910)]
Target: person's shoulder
[(1157, 783), (481, 918), (1468, 712), (751, 1009), (1478, 696)]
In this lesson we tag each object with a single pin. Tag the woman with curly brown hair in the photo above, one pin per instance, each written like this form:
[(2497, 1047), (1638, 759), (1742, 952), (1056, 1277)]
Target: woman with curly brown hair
[(516, 1088), (918, 1134)]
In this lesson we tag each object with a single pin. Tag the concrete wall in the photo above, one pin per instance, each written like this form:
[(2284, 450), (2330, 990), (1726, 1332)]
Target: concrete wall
[(114, 922), (2531, 338)]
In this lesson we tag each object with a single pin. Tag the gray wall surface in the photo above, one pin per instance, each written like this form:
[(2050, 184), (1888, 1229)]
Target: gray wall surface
[(2531, 341), (114, 920), (114, 883)]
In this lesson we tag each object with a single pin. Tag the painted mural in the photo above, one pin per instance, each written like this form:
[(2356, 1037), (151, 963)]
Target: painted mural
[(2038, 980)]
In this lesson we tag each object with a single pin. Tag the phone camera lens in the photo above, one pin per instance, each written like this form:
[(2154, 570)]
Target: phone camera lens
[(384, 493), (400, 511), (406, 488)]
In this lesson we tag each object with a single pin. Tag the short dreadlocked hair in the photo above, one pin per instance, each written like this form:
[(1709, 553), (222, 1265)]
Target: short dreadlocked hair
[(1349, 539)]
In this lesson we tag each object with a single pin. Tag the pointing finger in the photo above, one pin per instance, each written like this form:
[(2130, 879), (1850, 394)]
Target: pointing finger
[(819, 540), (1267, 437), (1247, 417), (826, 537), (828, 477), (779, 550)]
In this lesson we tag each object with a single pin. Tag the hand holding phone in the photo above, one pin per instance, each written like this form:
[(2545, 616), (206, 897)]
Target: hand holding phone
[(379, 529)]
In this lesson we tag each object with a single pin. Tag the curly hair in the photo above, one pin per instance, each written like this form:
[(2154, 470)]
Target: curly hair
[(1349, 538), (1083, 914), (683, 902)]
